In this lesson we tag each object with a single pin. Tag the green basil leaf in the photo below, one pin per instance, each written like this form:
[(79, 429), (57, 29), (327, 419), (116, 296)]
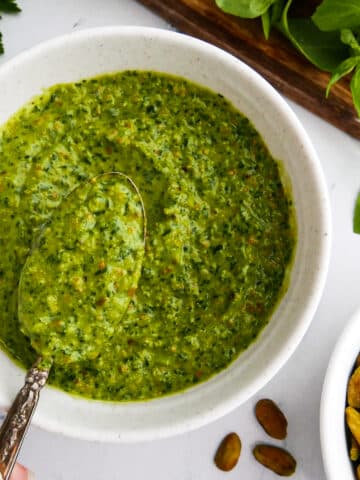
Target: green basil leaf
[(323, 49), (272, 16), (347, 36), (9, 6), (266, 24), (245, 8), (276, 11), (355, 89), (337, 14), (356, 218), (341, 70)]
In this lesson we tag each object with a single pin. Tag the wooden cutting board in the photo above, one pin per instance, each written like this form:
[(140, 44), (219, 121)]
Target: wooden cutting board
[(275, 59)]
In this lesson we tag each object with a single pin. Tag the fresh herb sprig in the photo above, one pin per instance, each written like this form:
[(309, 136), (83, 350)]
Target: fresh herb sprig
[(356, 216), (329, 39), (7, 6)]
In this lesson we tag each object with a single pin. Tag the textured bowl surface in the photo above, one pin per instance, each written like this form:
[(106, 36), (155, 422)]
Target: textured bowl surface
[(92, 52), (333, 399)]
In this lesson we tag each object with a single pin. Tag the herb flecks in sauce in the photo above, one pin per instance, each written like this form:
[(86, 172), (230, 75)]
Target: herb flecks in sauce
[(220, 234), (83, 271)]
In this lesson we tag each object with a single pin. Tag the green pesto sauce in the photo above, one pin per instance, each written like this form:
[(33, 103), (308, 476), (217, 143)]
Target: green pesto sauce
[(220, 226), (83, 270)]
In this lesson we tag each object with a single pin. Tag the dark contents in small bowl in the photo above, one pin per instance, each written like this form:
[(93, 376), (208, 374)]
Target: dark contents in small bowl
[(352, 417)]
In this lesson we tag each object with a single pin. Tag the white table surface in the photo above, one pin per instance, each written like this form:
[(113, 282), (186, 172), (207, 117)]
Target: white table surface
[(297, 387)]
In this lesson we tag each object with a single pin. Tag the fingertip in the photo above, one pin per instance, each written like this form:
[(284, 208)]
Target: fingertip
[(31, 475), (22, 473)]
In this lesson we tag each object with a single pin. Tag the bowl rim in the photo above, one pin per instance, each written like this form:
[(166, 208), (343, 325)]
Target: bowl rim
[(199, 419), (337, 463)]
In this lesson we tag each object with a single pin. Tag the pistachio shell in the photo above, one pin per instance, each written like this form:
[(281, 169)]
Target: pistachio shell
[(353, 421), (353, 391), (354, 450), (271, 418), (276, 459), (228, 452)]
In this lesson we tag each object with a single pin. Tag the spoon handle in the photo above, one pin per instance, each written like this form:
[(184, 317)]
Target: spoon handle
[(16, 423)]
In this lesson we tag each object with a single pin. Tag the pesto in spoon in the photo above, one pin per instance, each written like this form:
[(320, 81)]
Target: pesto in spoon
[(75, 287)]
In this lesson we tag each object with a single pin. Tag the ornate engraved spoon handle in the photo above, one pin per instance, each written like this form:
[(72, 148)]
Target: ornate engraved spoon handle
[(16, 423)]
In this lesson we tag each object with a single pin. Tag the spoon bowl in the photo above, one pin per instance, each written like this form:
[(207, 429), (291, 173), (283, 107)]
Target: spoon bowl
[(83, 270)]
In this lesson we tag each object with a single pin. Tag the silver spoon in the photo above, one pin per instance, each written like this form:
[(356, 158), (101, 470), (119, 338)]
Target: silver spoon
[(17, 421)]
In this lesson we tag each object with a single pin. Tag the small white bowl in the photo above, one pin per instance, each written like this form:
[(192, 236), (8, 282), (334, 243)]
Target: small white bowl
[(335, 450), (92, 52)]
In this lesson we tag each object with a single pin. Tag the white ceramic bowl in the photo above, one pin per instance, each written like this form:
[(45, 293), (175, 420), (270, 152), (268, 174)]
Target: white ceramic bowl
[(334, 448), (96, 51)]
